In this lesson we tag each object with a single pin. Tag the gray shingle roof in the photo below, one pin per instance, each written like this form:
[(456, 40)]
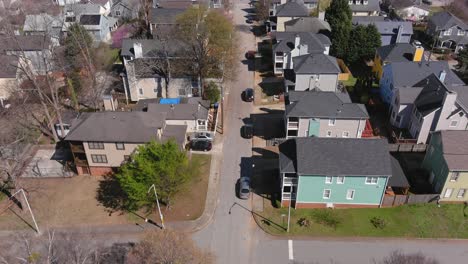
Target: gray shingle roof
[(315, 42), (372, 5), (462, 95), (323, 105), (455, 149), (316, 63), (180, 111), (293, 8), (307, 24), (398, 178), (408, 95), (81, 9), (396, 52), (165, 15), (360, 19), (91, 20), (22, 42), (336, 156), (153, 47), (446, 20), (8, 66), (41, 22), (390, 27), (431, 96), (407, 74)]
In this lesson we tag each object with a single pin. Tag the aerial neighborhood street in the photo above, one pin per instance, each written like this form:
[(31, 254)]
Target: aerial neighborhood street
[(234, 131)]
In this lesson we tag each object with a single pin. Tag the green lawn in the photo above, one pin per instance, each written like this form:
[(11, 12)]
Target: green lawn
[(421, 221)]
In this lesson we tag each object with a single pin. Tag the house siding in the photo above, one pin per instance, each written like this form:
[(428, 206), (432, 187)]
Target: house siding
[(115, 157), (350, 125), (311, 189), (386, 84), (148, 86), (326, 82), (461, 183)]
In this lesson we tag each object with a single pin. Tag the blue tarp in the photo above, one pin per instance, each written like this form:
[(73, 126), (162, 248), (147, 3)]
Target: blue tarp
[(169, 101)]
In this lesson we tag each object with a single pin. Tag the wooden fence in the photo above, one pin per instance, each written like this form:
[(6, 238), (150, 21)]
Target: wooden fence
[(401, 199), (405, 147)]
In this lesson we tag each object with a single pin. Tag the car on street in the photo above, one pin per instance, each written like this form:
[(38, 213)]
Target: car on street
[(250, 55), (201, 145), (244, 188), (203, 136), (417, 44), (247, 131), (248, 95)]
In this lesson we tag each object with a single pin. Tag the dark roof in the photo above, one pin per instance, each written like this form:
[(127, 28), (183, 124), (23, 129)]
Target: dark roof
[(179, 4), (316, 43), (293, 8), (431, 96), (180, 111), (398, 178), (455, 149), (165, 15), (154, 47), (175, 132), (390, 27), (396, 52), (335, 156), (132, 127), (361, 19), (22, 42), (462, 95), (445, 20), (407, 74), (316, 63), (408, 95), (91, 20), (372, 5), (323, 105), (8, 66), (307, 24)]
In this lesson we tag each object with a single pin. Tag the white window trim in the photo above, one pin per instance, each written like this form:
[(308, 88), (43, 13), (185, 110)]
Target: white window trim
[(446, 193), (329, 134), (328, 177), (459, 191), (337, 182), (331, 122), (456, 123), (370, 180), (448, 32), (353, 192), (329, 194), (451, 174)]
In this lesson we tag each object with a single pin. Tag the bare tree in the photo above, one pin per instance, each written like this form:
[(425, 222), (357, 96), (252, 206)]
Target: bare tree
[(397, 257), (146, 6), (167, 247)]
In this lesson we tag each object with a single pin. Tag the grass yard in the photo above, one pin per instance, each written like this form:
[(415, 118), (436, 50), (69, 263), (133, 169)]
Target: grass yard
[(419, 221)]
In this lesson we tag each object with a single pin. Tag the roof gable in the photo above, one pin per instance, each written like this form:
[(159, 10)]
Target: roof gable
[(293, 8), (316, 63)]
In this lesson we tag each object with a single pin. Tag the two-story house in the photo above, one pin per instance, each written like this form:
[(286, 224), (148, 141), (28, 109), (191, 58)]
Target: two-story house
[(308, 24), (44, 24), (288, 11), (310, 4), (323, 114), (162, 20), (313, 72), (364, 7), (448, 30), (287, 45), (409, 73), (446, 161), (334, 172), (395, 53), (411, 10), (102, 141), (391, 32)]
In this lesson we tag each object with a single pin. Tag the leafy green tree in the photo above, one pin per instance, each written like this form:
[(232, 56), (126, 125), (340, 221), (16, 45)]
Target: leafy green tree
[(212, 92), (164, 165), (78, 45), (339, 15), (363, 42)]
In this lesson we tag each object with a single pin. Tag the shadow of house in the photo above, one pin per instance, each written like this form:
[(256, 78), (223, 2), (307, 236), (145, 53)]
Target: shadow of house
[(265, 181), (269, 125), (272, 86)]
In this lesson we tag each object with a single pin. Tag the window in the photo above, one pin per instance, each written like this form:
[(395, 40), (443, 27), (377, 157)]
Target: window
[(328, 179), (117, 13), (460, 32), (340, 180), (448, 193), (350, 195), (140, 91), (326, 194), (120, 146), (454, 176), (345, 134), (331, 122), (287, 189), (461, 193), (329, 133), (453, 123), (96, 145), (99, 158), (372, 180), (155, 90), (448, 32)]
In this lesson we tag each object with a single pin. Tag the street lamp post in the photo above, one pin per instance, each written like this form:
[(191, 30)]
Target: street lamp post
[(157, 202), (29, 207)]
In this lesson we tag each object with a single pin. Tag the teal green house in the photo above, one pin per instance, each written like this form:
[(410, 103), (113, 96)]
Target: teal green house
[(334, 172), (446, 161)]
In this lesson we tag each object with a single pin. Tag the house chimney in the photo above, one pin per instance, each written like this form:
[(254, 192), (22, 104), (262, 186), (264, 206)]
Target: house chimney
[(159, 134), (418, 54), (442, 76), (297, 41), (138, 49), (321, 15)]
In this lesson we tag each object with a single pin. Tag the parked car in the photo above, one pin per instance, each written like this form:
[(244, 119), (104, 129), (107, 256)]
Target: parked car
[(417, 44), (248, 95), (250, 55), (244, 188), (247, 131), (427, 2), (249, 21), (203, 136), (201, 145)]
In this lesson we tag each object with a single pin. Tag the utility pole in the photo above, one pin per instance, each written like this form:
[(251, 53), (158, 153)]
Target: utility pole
[(29, 207), (289, 211), (157, 202)]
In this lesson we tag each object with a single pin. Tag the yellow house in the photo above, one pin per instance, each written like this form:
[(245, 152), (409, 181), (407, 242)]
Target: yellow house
[(398, 52), (289, 11)]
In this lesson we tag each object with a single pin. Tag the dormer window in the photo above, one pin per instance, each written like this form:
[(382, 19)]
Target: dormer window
[(350, 2), (461, 32), (448, 32), (358, 2), (365, 2)]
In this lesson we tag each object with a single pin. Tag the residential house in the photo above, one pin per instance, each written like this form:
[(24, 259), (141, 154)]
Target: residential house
[(66, 2), (44, 24), (448, 30), (162, 20), (309, 4), (399, 52), (102, 141), (364, 7), (308, 24), (323, 114), (313, 72), (146, 78), (124, 9), (8, 74), (409, 73), (447, 162), (430, 105), (287, 45), (334, 172), (410, 10), (391, 32), (288, 11)]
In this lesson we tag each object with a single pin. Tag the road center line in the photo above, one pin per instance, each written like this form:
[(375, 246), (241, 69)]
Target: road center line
[(290, 247)]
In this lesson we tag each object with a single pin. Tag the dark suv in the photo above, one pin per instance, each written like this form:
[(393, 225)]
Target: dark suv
[(248, 95), (201, 145)]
